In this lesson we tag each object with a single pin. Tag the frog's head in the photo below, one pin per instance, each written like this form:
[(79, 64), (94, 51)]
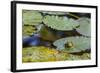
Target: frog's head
[(69, 44)]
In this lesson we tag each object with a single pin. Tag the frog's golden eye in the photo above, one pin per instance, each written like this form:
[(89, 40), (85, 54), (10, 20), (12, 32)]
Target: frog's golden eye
[(69, 45)]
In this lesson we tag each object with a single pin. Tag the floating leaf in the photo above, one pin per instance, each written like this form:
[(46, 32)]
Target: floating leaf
[(73, 44), (28, 30), (60, 23), (31, 17), (84, 26), (54, 13)]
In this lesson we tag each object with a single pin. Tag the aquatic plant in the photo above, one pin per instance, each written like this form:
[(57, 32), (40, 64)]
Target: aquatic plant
[(42, 54), (28, 30), (84, 26), (45, 54), (31, 17), (73, 44), (52, 29), (84, 56), (60, 23), (46, 34), (54, 13)]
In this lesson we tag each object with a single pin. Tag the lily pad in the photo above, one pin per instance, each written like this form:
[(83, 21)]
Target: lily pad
[(28, 30), (54, 13), (31, 17), (84, 26), (60, 23), (73, 44)]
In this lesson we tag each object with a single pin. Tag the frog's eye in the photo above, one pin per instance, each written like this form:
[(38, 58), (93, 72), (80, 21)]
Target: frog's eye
[(69, 45)]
